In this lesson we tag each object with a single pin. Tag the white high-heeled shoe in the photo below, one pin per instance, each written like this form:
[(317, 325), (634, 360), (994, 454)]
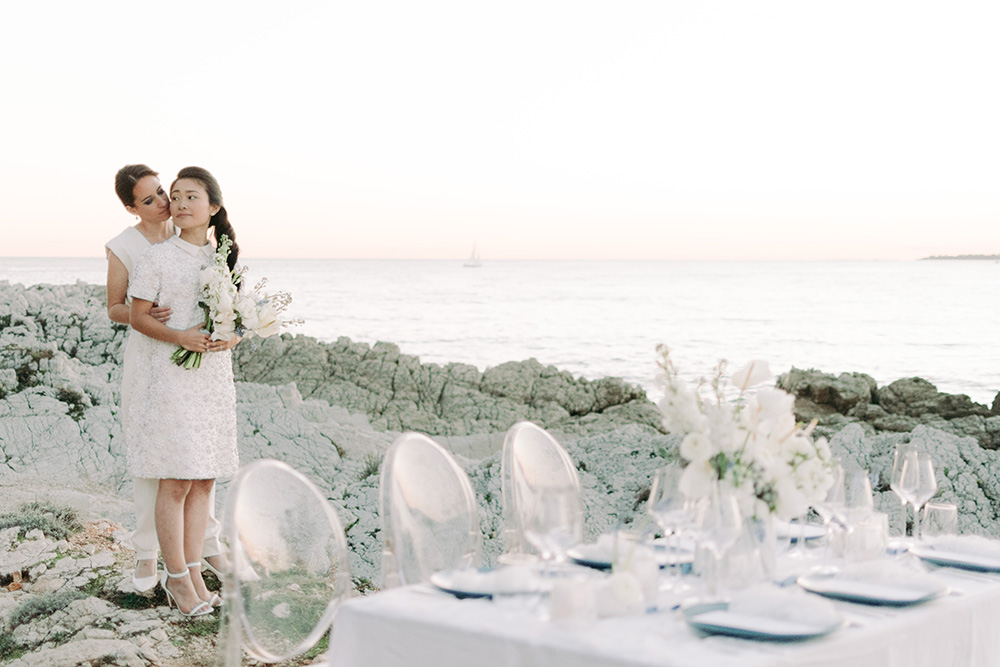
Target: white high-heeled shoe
[(201, 609), (145, 584), (246, 574), (215, 600)]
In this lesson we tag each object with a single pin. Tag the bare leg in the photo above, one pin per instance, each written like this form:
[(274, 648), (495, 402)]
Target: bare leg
[(170, 511), (195, 520)]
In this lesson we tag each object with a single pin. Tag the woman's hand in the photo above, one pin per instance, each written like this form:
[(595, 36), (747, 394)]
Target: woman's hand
[(223, 345), (193, 339), (160, 313)]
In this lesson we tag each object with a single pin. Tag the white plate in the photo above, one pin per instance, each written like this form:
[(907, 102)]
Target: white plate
[(967, 561), (892, 594), (486, 582), (812, 530), (593, 556), (716, 619)]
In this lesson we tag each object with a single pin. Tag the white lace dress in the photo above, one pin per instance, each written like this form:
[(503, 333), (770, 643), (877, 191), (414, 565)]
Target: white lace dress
[(179, 423)]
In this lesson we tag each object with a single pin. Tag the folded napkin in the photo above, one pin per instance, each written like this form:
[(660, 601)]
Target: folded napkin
[(973, 545), (784, 605)]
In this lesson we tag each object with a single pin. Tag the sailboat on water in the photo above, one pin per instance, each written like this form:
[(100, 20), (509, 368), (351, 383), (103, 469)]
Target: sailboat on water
[(473, 262)]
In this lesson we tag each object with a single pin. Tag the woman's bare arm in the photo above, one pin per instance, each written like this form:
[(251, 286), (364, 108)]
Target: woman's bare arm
[(117, 289), (143, 321), (118, 310)]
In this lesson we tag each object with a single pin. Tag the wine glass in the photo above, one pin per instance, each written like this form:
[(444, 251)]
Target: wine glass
[(917, 484), (858, 493), (719, 525), (898, 458), (668, 507), (554, 523), (833, 508)]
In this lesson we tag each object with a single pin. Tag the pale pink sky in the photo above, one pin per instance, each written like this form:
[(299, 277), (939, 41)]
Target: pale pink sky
[(660, 129)]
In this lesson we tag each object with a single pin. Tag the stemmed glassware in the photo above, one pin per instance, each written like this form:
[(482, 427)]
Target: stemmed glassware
[(917, 483), (719, 525), (858, 494), (672, 512), (832, 509), (555, 522), (898, 459)]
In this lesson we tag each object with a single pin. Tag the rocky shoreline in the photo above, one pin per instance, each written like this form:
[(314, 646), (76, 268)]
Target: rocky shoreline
[(330, 410)]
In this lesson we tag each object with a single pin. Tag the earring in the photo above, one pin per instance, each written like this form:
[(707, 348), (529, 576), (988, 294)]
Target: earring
[(138, 218)]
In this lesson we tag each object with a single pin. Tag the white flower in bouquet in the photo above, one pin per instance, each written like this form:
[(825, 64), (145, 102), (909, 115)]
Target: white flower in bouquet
[(264, 312), (230, 310), (753, 444)]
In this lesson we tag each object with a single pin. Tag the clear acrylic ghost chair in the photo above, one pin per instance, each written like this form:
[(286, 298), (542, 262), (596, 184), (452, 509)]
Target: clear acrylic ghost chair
[(290, 567), (531, 461), (430, 521)]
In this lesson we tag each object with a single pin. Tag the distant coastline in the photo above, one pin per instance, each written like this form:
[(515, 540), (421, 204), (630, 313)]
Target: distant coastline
[(994, 257)]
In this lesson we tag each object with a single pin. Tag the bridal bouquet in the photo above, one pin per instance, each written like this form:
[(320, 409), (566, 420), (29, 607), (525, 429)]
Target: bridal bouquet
[(229, 310), (752, 444)]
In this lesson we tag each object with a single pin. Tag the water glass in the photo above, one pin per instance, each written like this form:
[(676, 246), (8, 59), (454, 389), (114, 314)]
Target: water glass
[(635, 554), (867, 539), (939, 519), (554, 522)]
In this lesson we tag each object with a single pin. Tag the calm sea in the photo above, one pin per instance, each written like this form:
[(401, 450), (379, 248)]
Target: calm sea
[(891, 320)]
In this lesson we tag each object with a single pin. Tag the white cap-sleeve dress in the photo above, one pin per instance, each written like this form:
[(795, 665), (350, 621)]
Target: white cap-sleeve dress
[(179, 423)]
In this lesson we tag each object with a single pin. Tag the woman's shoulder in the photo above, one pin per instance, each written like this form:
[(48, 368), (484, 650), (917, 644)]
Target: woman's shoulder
[(128, 246), (129, 238)]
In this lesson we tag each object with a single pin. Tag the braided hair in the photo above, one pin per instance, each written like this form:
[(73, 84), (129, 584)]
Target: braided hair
[(221, 219), (127, 177)]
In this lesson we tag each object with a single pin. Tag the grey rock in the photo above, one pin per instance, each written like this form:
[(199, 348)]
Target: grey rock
[(819, 394), (85, 651), (916, 397)]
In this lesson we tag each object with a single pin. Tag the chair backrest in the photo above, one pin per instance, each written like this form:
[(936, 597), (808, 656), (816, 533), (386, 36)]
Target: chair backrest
[(290, 566), (430, 521), (531, 460)]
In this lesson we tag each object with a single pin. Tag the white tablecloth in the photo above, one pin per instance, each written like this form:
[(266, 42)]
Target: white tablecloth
[(420, 627)]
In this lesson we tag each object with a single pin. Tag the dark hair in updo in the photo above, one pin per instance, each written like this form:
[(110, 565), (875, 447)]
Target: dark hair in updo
[(127, 177), (221, 219)]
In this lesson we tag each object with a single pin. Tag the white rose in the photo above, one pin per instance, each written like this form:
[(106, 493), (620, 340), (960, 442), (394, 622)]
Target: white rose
[(697, 479), (697, 447), (791, 502)]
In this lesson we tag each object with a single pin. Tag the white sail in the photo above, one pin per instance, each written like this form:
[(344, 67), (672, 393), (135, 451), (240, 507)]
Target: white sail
[(474, 261)]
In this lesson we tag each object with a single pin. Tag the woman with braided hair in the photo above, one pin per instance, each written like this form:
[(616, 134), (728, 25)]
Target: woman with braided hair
[(180, 424)]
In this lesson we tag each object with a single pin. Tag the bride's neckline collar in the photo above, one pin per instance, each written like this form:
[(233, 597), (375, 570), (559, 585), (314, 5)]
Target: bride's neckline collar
[(191, 249)]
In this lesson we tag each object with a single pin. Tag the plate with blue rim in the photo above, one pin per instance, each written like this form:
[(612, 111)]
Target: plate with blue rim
[(592, 556), (715, 618), (959, 559), (487, 582), (812, 531), (877, 593)]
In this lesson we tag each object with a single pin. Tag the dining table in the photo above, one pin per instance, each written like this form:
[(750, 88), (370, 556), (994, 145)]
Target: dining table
[(423, 626)]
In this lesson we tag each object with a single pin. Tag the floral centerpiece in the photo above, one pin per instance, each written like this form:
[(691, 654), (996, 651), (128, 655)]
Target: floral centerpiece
[(232, 308), (752, 443)]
